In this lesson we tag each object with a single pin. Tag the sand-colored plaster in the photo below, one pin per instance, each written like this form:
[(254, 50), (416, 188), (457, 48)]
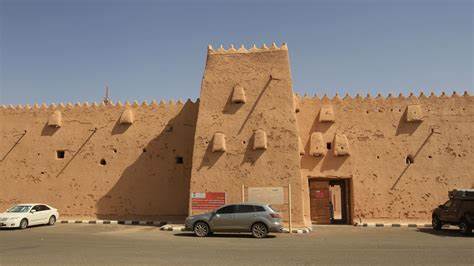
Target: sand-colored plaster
[(380, 139), (140, 178), (141, 161), (266, 77)]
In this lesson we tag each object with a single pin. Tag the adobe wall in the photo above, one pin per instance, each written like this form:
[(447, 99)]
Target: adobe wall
[(143, 179), (140, 180), (380, 139), (264, 74)]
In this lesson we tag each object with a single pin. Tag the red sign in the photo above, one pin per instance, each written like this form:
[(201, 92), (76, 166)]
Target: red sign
[(207, 200)]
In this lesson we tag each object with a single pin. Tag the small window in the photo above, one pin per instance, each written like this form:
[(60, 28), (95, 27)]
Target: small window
[(43, 208), (179, 160), (245, 208), (409, 160), (226, 209), (329, 145), (60, 154), (258, 209), (103, 162)]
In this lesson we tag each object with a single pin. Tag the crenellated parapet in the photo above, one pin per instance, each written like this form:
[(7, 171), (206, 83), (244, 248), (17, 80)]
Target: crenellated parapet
[(389, 98), (86, 105), (242, 49)]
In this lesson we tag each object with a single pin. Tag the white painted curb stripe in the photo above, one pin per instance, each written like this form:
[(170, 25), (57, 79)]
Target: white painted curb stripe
[(394, 225), (127, 222)]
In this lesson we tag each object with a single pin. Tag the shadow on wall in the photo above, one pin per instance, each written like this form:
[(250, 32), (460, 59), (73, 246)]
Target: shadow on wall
[(405, 127), (329, 162), (230, 107), (48, 130), (318, 126), (210, 158), (120, 128), (251, 156), (156, 185)]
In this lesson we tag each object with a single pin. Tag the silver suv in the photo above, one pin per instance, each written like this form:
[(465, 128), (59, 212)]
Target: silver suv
[(246, 217)]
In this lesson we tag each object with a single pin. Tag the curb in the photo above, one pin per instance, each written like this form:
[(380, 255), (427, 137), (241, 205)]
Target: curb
[(179, 228), (298, 230), (393, 225), (126, 222)]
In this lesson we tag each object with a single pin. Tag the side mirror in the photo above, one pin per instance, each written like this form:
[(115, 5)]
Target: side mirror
[(32, 211)]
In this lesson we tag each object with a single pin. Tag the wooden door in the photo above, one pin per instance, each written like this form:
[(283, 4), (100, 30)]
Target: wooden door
[(319, 201)]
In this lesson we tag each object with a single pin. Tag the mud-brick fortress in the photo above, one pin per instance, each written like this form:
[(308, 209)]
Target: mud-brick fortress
[(391, 158)]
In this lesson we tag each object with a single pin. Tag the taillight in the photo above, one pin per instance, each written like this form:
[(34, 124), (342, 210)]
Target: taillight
[(275, 215)]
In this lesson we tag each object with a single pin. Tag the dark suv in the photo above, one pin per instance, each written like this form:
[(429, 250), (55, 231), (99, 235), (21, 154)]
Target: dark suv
[(458, 210)]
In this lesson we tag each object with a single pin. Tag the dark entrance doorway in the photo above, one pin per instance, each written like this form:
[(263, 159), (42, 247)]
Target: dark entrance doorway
[(330, 201)]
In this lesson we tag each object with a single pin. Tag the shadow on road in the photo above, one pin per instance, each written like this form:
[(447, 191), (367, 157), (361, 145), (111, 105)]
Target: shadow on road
[(443, 233), (30, 227), (229, 235)]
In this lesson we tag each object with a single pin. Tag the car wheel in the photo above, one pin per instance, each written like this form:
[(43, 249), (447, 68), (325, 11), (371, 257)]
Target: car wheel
[(23, 224), (259, 230), (465, 227), (201, 229), (52, 220), (436, 223)]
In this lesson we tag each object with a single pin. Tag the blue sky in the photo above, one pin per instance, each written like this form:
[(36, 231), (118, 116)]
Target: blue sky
[(61, 51)]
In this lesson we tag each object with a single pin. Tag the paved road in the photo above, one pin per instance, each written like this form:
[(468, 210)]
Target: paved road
[(121, 244)]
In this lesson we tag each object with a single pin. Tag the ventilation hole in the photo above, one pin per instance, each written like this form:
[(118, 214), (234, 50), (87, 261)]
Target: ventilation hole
[(391, 109), (329, 145), (144, 150), (115, 150), (42, 173), (409, 160), (60, 154), (103, 162), (429, 156), (179, 160), (244, 142), (367, 111), (378, 157)]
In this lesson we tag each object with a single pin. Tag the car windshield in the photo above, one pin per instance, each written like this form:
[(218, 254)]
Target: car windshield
[(19, 208)]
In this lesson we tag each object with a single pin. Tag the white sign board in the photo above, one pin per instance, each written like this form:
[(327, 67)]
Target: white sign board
[(265, 195)]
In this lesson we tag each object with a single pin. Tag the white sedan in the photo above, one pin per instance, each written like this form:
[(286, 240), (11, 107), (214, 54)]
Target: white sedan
[(24, 215)]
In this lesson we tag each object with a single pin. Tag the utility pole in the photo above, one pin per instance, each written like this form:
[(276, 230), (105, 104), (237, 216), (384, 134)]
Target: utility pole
[(106, 97)]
